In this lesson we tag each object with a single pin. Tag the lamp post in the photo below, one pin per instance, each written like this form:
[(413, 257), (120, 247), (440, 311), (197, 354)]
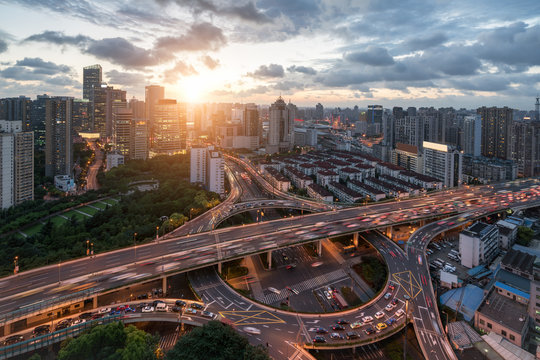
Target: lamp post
[(157, 233), (87, 247), (59, 272), (16, 265), (91, 249), (135, 247), (405, 328)]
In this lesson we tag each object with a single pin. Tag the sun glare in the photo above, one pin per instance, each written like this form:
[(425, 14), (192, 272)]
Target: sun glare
[(193, 88)]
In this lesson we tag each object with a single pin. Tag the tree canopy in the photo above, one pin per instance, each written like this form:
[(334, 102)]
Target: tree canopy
[(113, 341), (215, 341)]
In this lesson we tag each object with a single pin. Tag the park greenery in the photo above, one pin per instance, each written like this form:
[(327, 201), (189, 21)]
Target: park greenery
[(134, 219), (524, 235), (113, 341), (216, 340), (373, 270)]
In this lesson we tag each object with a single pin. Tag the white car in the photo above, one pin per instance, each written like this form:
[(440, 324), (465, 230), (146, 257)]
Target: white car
[(252, 330), (367, 319), (104, 310), (327, 294), (379, 314), (148, 309), (399, 313), (274, 290), (389, 307)]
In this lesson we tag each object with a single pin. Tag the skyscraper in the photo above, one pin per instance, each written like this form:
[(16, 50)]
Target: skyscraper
[(472, 135), (81, 111), (139, 130), (24, 167), (374, 114), (319, 112), (496, 132), (526, 147), (251, 120), (443, 162), (153, 93), (58, 136), (169, 127), (116, 99), (121, 131), (92, 77), (37, 119), (17, 109), (98, 109), (7, 171), (207, 167), (280, 126)]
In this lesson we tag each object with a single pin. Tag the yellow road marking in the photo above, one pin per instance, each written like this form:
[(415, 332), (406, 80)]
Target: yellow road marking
[(408, 282), (257, 317)]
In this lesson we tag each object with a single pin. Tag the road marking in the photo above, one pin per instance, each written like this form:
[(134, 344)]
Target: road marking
[(249, 307), (256, 317)]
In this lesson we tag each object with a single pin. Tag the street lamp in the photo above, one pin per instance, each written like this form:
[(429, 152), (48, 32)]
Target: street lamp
[(91, 249), (157, 233), (87, 247), (16, 265), (135, 243)]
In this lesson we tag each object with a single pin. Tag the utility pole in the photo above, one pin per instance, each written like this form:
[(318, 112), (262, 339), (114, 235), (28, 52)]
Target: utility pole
[(405, 333)]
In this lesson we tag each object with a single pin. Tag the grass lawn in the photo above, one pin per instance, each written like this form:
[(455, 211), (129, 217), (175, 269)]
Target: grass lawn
[(58, 220), (111, 202), (77, 215), (89, 210), (99, 205), (33, 230)]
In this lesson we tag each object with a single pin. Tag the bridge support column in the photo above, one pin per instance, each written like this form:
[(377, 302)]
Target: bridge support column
[(389, 232), (269, 259), (7, 329), (319, 247), (355, 239), (219, 267), (422, 223), (164, 285), (94, 302)]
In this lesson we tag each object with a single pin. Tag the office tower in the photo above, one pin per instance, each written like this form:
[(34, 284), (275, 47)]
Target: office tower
[(197, 173), (116, 99), (319, 112), (153, 93), (121, 131), (80, 115), (98, 109), (472, 135), (92, 77), (443, 162), (496, 131), (169, 127), (16, 164), (58, 136), (139, 130), (374, 114), (137, 108), (215, 173), (537, 109), (411, 111), (37, 119), (526, 147), (251, 120), (17, 109), (24, 167), (280, 126)]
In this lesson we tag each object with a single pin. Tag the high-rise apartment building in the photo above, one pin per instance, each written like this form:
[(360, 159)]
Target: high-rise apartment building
[(121, 131), (471, 140), (526, 147), (139, 130), (98, 109), (319, 112), (207, 167), (17, 109), (478, 244), (251, 120), (280, 126), (169, 127), (116, 99), (81, 109), (496, 131), (443, 162), (374, 114), (409, 130), (58, 136), (92, 77), (153, 94), (37, 119), (16, 164)]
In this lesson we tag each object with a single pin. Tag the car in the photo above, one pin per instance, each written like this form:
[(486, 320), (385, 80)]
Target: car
[(369, 331), (274, 290), (156, 302), (41, 330), (336, 336), (208, 314), (387, 296), (399, 313), (321, 330), (197, 306), (394, 301), (356, 325), (338, 327), (379, 314), (85, 316), (147, 309), (327, 294), (367, 319), (104, 310), (319, 339), (351, 335), (342, 322), (381, 326), (406, 297), (129, 309), (391, 287), (13, 339), (78, 321), (180, 303), (390, 321), (191, 311), (317, 264), (97, 316), (252, 330), (115, 312), (389, 307)]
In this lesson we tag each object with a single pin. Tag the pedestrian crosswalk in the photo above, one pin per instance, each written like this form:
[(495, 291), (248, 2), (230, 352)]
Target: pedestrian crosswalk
[(167, 342), (308, 284)]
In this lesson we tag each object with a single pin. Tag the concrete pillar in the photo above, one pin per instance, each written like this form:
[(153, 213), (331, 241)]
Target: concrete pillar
[(219, 267), (422, 223), (94, 302), (164, 284), (269, 259), (7, 329), (355, 239), (389, 232), (319, 247)]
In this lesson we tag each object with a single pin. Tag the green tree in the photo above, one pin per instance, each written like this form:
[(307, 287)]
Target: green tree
[(524, 235), (113, 341), (215, 341)]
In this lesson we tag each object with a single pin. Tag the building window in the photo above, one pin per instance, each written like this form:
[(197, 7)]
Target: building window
[(482, 322), (503, 333), (489, 325), (512, 337)]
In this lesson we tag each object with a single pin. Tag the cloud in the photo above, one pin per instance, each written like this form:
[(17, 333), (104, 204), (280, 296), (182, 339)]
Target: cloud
[(302, 69), (181, 68), (129, 79), (247, 12), (43, 67), (203, 36), (288, 85), (3, 46), (270, 71), (59, 38), (373, 55), (209, 62), (421, 43)]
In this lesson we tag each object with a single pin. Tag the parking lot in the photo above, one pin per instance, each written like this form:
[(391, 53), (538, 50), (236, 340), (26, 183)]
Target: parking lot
[(442, 251)]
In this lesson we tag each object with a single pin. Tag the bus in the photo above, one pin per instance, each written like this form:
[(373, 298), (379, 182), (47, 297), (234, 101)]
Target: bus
[(342, 304), (349, 249)]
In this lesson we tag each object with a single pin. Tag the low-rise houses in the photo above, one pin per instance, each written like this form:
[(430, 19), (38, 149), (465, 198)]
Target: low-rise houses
[(325, 177), (277, 179), (343, 193), (317, 192), (298, 178), (366, 190)]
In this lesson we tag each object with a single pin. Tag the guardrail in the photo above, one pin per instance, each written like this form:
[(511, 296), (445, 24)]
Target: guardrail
[(52, 338)]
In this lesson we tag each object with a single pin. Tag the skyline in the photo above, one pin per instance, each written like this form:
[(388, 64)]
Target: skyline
[(391, 53)]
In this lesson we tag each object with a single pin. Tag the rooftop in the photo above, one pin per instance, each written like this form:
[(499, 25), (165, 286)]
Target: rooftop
[(519, 260), (345, 189), (478, 230), (367, 188), (504, 311), (319, 189), (326, 173)]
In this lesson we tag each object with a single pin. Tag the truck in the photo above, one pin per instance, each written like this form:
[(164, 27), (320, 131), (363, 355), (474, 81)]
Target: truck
[(342, 304)]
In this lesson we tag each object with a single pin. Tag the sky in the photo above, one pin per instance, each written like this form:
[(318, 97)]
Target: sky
[(458, 53)]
